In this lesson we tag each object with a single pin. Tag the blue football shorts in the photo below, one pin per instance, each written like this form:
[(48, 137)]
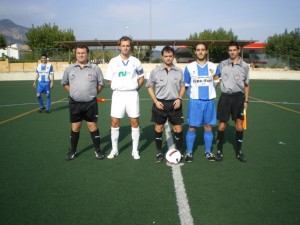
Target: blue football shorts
[(201, 112), (43, 88)]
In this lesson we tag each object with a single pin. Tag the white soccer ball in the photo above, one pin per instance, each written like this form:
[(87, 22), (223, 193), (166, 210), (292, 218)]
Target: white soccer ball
[(173, 156)]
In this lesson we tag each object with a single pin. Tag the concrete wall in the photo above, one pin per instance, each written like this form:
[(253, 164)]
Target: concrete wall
[(27, 71), (6, 67)]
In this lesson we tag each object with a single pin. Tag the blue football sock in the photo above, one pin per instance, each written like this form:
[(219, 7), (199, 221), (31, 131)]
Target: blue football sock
[(48, 102), (190, 139), (208, 139), (40, 101)]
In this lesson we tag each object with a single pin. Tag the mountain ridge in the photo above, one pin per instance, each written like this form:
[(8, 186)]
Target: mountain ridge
[(12, 32)]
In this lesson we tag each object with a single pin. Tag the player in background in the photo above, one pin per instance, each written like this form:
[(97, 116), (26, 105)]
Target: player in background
[(234, 98), (166, 89), (44, 79), (199, 81), (125, 75), (83, 81)]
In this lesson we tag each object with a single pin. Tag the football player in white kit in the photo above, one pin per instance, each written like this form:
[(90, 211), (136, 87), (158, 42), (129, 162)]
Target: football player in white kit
[(125, 75)]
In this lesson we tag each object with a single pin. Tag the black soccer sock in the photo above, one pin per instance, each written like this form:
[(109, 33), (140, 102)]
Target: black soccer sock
[(239, 135), (95, 135), (220, 140), (74, 137), (158, 141), (179, 141)]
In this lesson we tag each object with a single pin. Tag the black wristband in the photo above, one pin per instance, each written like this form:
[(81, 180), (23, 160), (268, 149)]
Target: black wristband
[(180, 99), (247, 102)]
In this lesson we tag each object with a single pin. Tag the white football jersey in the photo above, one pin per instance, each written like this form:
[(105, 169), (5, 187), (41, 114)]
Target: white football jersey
[(124, 74)]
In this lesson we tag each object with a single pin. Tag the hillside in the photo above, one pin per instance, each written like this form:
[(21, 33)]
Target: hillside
[(12, 32)]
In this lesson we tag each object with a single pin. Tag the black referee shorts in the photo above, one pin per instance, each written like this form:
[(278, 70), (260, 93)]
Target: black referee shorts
[(230, 105), (159, 117), (87, 111)]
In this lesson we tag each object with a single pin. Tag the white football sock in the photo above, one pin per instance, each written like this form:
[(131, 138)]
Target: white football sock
[(115, 138), (135, 135)]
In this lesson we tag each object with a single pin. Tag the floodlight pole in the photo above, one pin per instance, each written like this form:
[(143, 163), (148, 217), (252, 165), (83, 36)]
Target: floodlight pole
[(150, 22)]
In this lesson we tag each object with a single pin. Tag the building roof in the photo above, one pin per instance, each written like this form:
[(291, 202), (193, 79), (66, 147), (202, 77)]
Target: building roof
[(104, 43), (255, 45)]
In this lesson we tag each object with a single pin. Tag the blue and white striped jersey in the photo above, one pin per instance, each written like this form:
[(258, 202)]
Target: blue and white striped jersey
[(44, 71), (199, 80)]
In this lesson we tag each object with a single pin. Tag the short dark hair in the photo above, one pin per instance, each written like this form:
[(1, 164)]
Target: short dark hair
[(233, 43), (201, 43), (44, 54), (167, 49), (125, 38), (82, 46)]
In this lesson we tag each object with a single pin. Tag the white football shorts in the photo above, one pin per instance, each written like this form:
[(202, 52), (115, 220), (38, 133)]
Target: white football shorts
[(125, 102)]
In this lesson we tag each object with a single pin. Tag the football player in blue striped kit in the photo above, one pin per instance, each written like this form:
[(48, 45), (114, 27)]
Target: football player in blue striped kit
[(44, 77), (199, 80)]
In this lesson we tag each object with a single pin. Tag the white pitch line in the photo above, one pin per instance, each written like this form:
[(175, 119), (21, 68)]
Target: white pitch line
[(28, 103), (185, 215), (147, 99), (169, 137), (18, 104)]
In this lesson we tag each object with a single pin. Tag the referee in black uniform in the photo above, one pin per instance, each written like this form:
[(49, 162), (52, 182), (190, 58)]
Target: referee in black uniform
[(166, 88), (234, 98), (83, 81)]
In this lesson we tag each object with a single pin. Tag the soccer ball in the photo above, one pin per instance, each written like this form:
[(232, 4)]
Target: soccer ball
[(173, 156)]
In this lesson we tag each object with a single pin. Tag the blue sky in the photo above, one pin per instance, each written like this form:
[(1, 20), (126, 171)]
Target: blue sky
[(169, 19)]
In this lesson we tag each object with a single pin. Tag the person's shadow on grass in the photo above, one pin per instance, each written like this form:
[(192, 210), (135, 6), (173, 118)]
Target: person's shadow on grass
[(59, 108)]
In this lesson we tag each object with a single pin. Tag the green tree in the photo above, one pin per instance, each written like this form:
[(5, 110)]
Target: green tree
[(42, 39), (102, 55), (285, 46), (216, 53), (3, 43)]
